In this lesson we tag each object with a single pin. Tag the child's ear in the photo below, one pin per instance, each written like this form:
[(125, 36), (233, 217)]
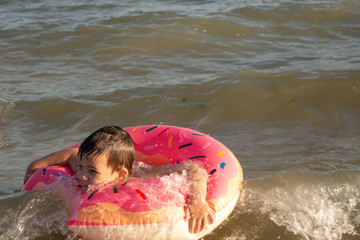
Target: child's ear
[(123, 173)]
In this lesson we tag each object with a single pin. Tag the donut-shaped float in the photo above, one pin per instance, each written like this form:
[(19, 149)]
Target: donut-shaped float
[(149, 208)]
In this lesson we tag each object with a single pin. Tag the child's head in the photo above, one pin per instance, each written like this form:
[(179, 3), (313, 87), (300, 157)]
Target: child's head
[(105, 155)]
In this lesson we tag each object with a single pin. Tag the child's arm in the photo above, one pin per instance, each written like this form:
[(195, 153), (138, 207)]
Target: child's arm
[(63, 157), (200, 213)]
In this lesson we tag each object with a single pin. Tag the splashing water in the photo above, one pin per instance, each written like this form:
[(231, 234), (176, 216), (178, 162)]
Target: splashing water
[(310, 211), (38, 214), (5, 107), (308, 206), (173, 179), (174, 182)]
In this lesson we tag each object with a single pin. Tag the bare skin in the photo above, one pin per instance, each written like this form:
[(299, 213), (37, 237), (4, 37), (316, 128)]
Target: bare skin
[(62, 158)]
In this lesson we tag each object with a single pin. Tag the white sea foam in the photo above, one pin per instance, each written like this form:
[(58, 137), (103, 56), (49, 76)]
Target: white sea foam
[(308, 206), (312, 212)]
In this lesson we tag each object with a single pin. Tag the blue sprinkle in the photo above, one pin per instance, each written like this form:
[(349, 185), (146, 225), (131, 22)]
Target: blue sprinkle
[(58, 174), (196, 134), (222, 165), (212, 172), (44, 171), (185, 145)]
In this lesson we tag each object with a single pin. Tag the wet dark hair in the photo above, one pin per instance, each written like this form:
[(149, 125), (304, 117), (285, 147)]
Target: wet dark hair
[(112, 141)]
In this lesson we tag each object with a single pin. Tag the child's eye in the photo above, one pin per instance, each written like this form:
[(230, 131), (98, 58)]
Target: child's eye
[(80, 166), (93, 172)]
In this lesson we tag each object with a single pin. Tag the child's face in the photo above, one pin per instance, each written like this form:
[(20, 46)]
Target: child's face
[(94, 170)]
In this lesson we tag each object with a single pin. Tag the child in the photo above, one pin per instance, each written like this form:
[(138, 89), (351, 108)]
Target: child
[(107, 155)]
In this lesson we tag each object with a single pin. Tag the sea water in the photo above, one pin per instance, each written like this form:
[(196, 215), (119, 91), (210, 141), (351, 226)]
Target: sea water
[(34, 216), (275, 81)]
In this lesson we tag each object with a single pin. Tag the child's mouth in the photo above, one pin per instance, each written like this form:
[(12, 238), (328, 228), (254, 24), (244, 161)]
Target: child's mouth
[(84, 188)]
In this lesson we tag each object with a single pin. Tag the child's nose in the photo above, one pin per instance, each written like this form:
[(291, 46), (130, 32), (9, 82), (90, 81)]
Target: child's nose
[(84, 177)]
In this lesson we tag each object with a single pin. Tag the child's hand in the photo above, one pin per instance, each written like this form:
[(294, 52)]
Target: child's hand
[(198, 216)]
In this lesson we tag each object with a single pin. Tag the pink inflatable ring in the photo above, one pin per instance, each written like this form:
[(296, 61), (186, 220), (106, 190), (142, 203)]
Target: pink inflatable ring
[(148, 208)]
